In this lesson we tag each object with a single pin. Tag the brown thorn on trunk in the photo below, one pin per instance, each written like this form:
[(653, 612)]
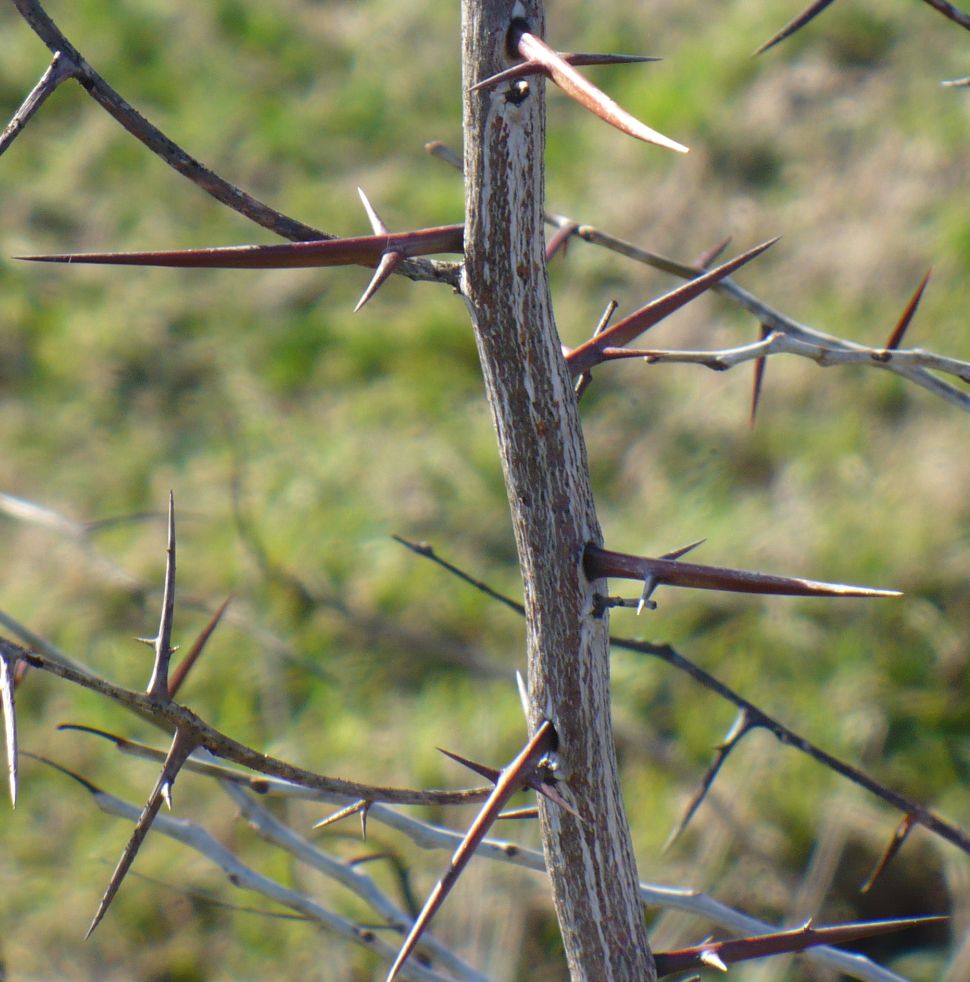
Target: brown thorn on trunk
[(584, 380), (623, 332), (510, 780), (534, 50)]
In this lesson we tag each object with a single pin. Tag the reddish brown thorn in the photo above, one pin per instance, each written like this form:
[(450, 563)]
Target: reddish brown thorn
[(182, 747), (710, 255), (8, 671), (722, 953), (482, 770), (759, 378), (158, 684), (365, 250), (792, 26), (740, 728), (585, 58), (601, 563), (623, 332), (536, 51), (198, 646), (907, 315), (510, 780), (895, 844), (560, 240)]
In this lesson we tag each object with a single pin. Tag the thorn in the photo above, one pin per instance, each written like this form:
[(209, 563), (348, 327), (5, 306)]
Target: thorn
[(158, 684), (362, 806), (198, 646), (166, 792), (535, 50), (533, 67), (389, 262), (560, 239), (683, 550), (375, 220), (510, 780), (602, 563), (895, 844), (483, 770), (182, 746), (437, 149), (794, 25), (759, 378), (707, 257), (7, 674), (589, 353), (649, 585), (712, 959), (907, 315)]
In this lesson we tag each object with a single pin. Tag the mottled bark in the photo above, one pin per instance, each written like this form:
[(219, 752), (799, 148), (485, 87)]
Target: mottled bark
[(592, 866)]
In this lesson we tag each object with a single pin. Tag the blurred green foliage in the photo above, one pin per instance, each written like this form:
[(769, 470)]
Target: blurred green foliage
[(345, 653)]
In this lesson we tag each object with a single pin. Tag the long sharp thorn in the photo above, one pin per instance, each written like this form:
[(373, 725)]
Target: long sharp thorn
[(577, 87), (510, 780), (623, 332), (9, 722), (649, 585), (483, 770), (376, 223), (389, 262), (895, 844), (778, 942), (182, 747), (794, 25), (365, 250), (759, 379), (185, 666), (158, 684), (527, 68), (907, 315), (601, 563)]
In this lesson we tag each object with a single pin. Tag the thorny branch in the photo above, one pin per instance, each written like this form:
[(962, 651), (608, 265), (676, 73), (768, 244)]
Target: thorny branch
[(753, 717)]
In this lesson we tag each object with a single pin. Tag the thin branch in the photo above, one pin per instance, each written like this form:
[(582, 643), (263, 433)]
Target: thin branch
[(174, 716), (432, 837), (950, 12), (912, 365), (61, 68), (272, 830), (207, 180), (242, 876), (922, 816)]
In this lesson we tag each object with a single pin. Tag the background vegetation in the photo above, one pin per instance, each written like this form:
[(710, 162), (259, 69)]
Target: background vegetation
[(347, 654)]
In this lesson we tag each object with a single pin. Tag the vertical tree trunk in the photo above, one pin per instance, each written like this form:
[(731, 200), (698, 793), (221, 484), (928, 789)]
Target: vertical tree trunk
[(591, 864)]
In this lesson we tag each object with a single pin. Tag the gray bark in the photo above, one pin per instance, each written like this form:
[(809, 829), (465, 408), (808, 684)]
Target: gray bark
[(592, 866)]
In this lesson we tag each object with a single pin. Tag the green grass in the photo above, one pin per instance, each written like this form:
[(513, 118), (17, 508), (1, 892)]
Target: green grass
[(341, 429)]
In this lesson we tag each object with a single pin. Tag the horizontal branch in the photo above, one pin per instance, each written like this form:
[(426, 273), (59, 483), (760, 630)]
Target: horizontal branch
[(177, 717)]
